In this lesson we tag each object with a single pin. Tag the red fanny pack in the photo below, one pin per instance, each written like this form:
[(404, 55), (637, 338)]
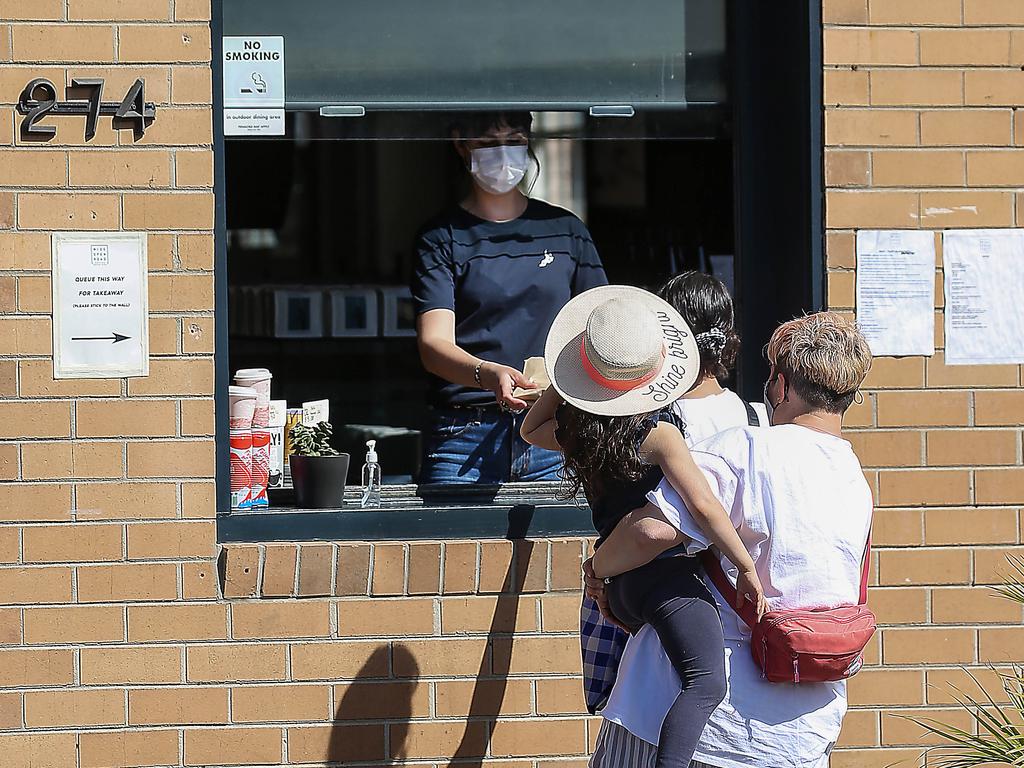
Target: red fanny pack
[(804, 646)]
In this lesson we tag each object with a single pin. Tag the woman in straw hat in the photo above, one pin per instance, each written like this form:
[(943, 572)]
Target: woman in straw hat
[(618, 357)]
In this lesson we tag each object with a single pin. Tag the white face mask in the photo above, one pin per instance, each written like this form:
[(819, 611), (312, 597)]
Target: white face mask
[(499, 169), (768, 403)]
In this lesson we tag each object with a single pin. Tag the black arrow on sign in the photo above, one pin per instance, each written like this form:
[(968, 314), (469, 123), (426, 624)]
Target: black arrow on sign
[(114, 338)]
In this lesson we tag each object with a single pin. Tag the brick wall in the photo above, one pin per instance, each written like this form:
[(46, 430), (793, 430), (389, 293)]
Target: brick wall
[(123, 644), (923, 130)]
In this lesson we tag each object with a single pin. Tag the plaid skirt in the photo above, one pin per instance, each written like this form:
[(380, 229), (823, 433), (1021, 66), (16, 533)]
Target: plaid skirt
[(601, 645)]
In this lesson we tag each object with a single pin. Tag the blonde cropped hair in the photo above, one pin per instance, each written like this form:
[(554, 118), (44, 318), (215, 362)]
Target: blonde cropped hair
[(825, 358)]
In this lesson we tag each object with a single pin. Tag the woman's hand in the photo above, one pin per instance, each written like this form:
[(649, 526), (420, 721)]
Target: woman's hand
[(748, 588), (444, 358), (502, 381)]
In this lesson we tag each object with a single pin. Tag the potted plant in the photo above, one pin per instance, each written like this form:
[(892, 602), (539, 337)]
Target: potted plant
[(318, 471)]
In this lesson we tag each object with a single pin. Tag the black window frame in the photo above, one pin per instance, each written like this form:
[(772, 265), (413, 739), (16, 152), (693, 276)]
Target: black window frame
[(780, 271)]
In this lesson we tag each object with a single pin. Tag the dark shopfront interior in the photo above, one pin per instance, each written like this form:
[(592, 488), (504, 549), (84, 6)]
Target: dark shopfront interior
[(726, 183)]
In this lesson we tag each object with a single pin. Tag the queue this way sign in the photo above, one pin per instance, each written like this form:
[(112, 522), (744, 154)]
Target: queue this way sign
[(100, 305), (254, 86)]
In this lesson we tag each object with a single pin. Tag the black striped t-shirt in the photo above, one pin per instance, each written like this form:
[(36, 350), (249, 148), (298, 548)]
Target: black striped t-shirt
[(505, 281)]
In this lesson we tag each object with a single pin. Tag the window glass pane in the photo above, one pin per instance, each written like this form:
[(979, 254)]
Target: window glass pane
[(320, 250), (448, 54)]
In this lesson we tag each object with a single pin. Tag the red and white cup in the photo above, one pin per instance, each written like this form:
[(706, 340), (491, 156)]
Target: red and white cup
[(255, 378), (261, 413), (260, 468), (241, 468), (241, 407)]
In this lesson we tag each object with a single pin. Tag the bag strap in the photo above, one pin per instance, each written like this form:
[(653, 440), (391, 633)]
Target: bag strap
[(713, 568), (752, 419), (865, 572)]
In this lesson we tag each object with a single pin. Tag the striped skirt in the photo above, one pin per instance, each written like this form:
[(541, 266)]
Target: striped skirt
[(618, 748)]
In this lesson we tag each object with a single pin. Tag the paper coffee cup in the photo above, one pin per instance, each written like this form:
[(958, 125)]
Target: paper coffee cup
[(255, 378), (260, 468), (241, 407), (241, 469), (533, 369), (261, 413)]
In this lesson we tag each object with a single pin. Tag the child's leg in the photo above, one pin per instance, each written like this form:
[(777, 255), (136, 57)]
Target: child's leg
[(629, 594), (669, 595), (691, 633)]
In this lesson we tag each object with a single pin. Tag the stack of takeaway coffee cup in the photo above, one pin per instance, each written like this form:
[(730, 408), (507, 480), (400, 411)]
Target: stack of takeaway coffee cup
[(258, 380), (242, 405)]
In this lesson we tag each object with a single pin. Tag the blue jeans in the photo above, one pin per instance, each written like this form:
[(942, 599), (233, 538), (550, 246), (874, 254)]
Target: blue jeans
[(483, 445)]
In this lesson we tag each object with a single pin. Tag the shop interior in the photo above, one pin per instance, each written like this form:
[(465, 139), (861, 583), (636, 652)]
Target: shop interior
[(320, 252), (321, 222)]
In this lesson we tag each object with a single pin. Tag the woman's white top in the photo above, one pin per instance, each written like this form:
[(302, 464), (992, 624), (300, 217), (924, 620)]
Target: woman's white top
[(803, 509), (707, 416)]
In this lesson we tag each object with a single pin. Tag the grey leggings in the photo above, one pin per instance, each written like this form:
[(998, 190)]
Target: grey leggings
[(669, 595)]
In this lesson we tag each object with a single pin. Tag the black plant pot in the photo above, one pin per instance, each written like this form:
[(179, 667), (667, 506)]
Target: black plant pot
[(319, 481)]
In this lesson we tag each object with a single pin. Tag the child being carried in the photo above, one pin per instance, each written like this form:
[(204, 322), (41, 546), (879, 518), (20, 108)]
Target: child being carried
[(618, 357)]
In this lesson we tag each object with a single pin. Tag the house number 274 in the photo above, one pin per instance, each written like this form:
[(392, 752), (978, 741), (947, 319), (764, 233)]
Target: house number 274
[(39, 99)]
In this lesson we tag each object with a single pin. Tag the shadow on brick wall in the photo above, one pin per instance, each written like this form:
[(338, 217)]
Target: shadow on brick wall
[(378, 696), (492, 677), (384, 713)]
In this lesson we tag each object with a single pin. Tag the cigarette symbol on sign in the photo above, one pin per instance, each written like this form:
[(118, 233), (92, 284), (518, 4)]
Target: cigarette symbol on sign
[(259, 82)]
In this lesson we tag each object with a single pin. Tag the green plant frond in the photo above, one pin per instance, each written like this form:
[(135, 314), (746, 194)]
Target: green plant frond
[(1014, 592), (999, 740), (1012, 587)]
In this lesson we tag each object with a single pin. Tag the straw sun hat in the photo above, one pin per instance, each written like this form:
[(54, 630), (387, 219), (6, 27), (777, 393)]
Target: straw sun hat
[(620, 351)]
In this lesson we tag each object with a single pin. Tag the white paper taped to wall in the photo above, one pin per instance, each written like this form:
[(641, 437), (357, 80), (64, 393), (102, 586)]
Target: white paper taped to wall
[(984, 282), (896, 291)]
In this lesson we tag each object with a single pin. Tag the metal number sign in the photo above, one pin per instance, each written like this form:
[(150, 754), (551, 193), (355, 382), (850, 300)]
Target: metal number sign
[(39, 98)]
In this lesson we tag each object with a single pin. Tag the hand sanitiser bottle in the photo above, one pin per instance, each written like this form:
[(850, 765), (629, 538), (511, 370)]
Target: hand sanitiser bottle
[(371, 477)]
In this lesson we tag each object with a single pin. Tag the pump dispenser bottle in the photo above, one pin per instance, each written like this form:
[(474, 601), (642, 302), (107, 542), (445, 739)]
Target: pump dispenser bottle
[(371, 477)]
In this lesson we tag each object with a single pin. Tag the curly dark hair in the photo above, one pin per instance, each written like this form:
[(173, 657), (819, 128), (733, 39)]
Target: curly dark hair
[(705, 303), (598, 450)]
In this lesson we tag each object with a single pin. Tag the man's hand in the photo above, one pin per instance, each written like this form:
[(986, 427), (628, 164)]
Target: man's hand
[(594, 589)]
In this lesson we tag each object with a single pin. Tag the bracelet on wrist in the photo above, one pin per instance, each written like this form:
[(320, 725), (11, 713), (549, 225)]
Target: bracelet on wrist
[(476, 374)]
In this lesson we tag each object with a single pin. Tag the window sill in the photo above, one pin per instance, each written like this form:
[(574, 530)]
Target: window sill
[(409, 512)]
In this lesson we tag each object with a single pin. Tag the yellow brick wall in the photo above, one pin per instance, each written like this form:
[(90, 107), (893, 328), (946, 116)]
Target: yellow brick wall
[(122, 643), (923, 130)]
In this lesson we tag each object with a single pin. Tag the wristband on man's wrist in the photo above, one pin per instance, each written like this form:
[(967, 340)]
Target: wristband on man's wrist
[(476, 374)]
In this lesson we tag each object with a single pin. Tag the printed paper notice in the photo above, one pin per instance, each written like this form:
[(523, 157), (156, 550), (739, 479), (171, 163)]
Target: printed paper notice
[(984, 279), (100, 303), (254, 86), (896, 291)]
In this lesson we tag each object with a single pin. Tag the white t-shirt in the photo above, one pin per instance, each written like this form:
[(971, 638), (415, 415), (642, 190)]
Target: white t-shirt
[(803, 509), (707, 416)]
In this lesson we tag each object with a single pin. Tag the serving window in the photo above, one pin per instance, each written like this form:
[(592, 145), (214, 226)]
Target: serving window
[(641, 129)]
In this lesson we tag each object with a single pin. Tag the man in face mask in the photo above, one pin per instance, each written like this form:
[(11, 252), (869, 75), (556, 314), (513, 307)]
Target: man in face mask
[(491, 274)]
